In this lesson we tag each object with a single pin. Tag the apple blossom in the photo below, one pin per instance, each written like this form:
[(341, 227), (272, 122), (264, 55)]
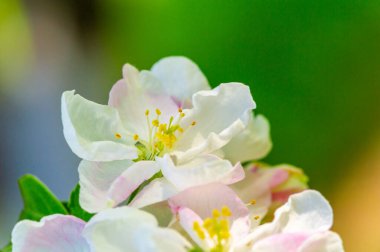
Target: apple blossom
[(162, 126)]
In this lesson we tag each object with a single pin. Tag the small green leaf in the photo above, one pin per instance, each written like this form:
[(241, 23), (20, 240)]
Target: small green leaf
[(74, 206), (38, 200), (7, 248)]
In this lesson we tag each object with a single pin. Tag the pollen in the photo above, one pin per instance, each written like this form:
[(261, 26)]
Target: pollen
[(256, 217), (226, 211), (155, 123), (118, 136), (193, 123), (179, 110), (135, 137), (252, 202), (215, 213), (158, 112)]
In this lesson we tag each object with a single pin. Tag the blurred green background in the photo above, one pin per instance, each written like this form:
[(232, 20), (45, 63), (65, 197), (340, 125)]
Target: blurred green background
[(313, 68)]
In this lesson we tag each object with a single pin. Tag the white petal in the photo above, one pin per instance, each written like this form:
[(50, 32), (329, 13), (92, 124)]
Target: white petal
[(252, 144), (201, 170), (130, 229), (90, 129), (95, 179), (58, 233), (220, 114), (132, 99), (179, 77), (131, 179), (156, 191), (307, 211), (325, 241)]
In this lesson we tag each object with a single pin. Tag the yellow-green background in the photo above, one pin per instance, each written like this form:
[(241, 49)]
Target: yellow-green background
[(313, 68)]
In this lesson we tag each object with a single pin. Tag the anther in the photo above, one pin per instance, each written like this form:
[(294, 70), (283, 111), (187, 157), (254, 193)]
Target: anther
[(158, 112), (215, 213), (147, 112), (182, 114), (180, 110), (155, 123), (256, 217), (226, 211), (193, 123), (118, 136), (252, 202), (135, 137)]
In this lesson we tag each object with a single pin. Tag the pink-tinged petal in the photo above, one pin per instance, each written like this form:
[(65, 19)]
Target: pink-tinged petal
[(156, 191), (325, 241), (288, 242), (58, 233), (95, 179), (90, 130), (307, 211), (130, 97), (201, 170), (251, 144), (179, 77), (131, 179), (204, 199), (220, 114)]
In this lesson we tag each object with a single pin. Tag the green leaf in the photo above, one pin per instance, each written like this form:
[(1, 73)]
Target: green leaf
[(74, 206), (7, 248), (38, 200)]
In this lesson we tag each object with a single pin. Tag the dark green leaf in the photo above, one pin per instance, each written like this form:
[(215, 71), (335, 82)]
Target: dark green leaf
[(38, 200), (74, 206)]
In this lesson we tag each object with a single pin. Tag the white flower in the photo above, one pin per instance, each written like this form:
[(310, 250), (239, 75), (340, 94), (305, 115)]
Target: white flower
[(112, 230), (163, 125), (301, 225)]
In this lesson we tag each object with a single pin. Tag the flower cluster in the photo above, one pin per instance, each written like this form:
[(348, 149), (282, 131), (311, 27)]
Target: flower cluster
[(162, 170)]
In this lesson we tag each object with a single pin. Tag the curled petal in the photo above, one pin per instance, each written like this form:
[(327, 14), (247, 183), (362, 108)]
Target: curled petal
[(217, 116), (252, 144), (58, 233), (90, 130)]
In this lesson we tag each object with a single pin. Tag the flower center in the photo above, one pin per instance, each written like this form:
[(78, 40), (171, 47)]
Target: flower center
[(162, 136), (216, 228)]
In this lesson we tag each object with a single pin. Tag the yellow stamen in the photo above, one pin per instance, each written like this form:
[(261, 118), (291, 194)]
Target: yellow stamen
[(182, 114), (118, 136), (193, 123), (158, 112), (135, 137), (256, 217), (147, 112), (226, 211), (215, 213), (155, 123), (180, 110), (252, 202)]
